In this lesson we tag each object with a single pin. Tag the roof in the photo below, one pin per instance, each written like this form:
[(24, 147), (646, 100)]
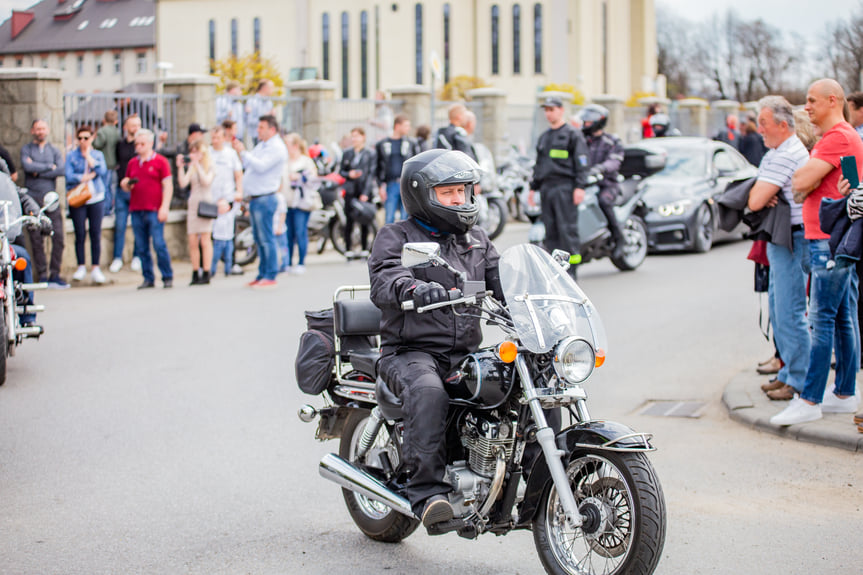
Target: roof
[(71, 25)]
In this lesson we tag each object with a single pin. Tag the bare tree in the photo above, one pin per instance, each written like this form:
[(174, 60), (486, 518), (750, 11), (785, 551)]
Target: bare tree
[(842, 49), (674, 52)]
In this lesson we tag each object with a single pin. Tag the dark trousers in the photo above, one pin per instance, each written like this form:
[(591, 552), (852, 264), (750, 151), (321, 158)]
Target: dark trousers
[(417, 379), (560, 216), (93, 214), (40, 261), (24, 276), (365, 231), (606, 199)]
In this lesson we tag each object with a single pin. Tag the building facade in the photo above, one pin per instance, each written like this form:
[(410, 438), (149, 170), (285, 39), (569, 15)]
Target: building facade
[(598, 46), (99, 45)]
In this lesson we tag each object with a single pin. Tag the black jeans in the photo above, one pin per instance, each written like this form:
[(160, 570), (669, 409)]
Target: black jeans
[(40, 263), (606, 199), (365, 231), (416, 377), (560, 216), (93, 214)]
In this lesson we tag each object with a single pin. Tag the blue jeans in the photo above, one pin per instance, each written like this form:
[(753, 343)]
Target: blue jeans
[(788, 274), (121, 220), (146, 225), (394, 202), (832, 313), (110, 182), (263, 210), (223, 250), (282, 244), (298, 233), (24, 277)]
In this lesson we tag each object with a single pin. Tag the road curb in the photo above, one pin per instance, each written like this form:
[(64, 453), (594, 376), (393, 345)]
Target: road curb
[(747, 404)]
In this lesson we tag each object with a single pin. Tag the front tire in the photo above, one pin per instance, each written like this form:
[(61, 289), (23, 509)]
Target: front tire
[(703, 232), (496, 218), (4, 344), (376, 520), (624, 531), (245, 249), (635, 250)]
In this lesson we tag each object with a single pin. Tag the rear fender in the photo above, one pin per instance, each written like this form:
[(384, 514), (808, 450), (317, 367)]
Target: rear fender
[(594, 435)]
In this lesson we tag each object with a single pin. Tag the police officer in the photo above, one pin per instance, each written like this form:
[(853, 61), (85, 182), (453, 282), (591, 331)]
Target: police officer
[(560, 175), (605, 154), (417, 350)]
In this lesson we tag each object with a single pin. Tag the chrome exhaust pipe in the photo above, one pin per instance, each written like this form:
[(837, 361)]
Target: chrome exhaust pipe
[(339, 471)]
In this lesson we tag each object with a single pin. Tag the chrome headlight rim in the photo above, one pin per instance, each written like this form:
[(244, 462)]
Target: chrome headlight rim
[(677, 208), (561, 351)]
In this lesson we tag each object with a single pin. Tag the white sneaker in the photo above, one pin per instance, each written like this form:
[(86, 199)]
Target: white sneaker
[(299, 270), (833, 404), (798, 411), (98, 276), (79, 274), (116, 265), (136, 264)]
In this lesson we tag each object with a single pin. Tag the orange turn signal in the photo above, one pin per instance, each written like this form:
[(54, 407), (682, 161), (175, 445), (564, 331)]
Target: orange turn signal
[(507, 351), (600, 357), (20, 264)]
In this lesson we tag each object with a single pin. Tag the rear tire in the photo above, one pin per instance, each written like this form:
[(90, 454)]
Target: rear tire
[(245, 249), (497, 215), (376, 520), (635, 250), (4, 344)]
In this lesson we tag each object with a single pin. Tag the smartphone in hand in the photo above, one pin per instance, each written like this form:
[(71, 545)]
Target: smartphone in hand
[(849, 170)]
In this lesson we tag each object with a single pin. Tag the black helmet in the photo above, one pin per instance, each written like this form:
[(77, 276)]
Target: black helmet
[(660, 124), (427, 170), (593, 119)]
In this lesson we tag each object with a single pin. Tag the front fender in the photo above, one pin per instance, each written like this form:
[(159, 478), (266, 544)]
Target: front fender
[(595, 435)]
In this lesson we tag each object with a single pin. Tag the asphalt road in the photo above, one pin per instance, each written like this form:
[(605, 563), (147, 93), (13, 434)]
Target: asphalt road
[(156, 433)]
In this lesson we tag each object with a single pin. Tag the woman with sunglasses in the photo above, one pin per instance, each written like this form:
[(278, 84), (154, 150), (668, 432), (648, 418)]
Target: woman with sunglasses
[(84, 164)]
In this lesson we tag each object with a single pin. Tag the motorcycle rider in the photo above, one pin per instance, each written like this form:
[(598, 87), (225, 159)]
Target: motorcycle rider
[(661, 125), (560, 175), (418, 350), (605, 154)]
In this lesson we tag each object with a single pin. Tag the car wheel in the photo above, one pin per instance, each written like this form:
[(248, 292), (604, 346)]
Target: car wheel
[(703, 230)]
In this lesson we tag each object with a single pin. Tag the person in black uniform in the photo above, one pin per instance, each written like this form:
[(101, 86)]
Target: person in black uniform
[(454, 136), (391, 154), (560, 175), (605, 155), (358, 169), (417, 350)]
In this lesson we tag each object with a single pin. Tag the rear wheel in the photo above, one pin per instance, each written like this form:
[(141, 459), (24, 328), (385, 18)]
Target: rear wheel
[(496, 218), (337, 235), (635, 250), (376, 520), (4, 344), (245, 250)]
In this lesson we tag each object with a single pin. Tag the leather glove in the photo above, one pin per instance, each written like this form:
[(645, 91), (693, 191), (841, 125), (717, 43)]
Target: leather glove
[(29, 206), (46, 227), (428, 293), (596, 172)]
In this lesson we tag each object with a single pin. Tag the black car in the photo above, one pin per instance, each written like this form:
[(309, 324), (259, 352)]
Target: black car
[(681, 211)]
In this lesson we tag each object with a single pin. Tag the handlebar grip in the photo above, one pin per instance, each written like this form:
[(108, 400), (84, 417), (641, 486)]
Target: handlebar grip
[(408, 305)]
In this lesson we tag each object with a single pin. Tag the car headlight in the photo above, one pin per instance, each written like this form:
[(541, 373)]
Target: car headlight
[(674, 208), (574, 360)]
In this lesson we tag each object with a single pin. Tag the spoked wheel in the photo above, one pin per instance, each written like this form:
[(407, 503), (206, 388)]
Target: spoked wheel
[(620, 498), (337, 235), (635, 250), (495, 218), (703, 230), (376, 520), (245, 250)]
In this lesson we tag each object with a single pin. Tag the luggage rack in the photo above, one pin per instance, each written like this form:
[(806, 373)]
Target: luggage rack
[(354, 317)]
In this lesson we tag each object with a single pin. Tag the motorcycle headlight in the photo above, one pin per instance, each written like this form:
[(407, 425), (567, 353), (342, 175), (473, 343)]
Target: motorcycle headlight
[(574, 360), (674, 208)]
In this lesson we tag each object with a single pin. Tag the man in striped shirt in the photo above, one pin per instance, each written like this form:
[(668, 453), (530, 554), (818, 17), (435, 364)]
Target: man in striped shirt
[(788, 268)]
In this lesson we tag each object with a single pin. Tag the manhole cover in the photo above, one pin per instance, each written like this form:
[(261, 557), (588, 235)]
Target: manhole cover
[(673, 408)]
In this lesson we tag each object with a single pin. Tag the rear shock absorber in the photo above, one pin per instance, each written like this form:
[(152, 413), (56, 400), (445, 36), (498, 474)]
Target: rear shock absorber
[(370, 432)]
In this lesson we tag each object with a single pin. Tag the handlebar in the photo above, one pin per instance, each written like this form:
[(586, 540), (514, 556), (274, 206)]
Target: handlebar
[(472, 299)]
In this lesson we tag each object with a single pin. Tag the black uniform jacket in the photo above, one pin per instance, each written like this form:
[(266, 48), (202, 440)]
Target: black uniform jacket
[(365, 162), (384, 150), (440, 332), (561, 158), (454, 138)]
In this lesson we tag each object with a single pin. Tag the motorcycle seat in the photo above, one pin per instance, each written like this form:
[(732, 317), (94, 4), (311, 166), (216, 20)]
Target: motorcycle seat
[(365, 360), (389, 402), (356, 317)]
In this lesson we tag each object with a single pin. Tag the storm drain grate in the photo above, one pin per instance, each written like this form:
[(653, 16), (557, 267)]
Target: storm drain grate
[(692, 409)]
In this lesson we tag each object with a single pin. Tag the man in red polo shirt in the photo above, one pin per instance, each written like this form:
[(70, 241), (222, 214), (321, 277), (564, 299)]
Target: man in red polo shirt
[(148, 179), (833, 295)]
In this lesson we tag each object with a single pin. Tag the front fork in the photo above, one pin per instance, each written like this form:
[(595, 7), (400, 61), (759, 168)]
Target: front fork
[(545, 436)]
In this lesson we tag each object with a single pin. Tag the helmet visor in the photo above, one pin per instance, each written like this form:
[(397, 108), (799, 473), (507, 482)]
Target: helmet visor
[(450, 169)]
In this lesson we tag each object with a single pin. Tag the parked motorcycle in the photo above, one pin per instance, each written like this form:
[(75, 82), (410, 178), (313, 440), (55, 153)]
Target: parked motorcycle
[(493, 211), (513, 180), (587, 492), (15, 295)]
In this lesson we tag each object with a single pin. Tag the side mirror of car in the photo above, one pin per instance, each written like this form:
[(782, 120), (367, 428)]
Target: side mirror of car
[(420, 254), (51, 202)]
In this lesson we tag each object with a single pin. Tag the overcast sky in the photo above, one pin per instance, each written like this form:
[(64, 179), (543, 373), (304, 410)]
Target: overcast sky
[(797, 15)]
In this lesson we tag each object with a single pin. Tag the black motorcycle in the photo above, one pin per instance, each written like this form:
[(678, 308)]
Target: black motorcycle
[(588, 492)]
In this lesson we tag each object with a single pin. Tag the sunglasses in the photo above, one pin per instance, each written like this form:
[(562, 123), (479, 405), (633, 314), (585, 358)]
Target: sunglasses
[(82, 138)]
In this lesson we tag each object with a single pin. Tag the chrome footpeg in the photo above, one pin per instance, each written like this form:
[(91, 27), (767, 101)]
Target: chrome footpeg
[(31, 331), (25, 309), (34, 287)]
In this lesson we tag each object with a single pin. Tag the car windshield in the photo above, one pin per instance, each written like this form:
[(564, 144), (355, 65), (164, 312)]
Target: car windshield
[(683, 162)]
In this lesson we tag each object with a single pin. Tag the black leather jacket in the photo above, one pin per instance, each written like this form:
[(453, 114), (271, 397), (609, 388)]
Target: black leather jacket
[(561, 158), (365, 162), (440, 332), (384, 150), (454, 138)]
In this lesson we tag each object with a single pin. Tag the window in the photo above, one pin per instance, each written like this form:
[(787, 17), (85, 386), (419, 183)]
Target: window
[(364, 54), (256, 32), (98, 62), (61, 63), (446, 10), (419, 46), (118, 62), (19, 62), (516, 39), (495, 40), (212, 45), (345, 38), (325, 50), (537, 38), (79, 66), (44, 62), (234, 33), (141, 63)]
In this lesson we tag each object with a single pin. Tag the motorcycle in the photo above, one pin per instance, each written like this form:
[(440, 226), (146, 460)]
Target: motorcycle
[(15, 295), (513, 179), (587, 492), (493, 211)]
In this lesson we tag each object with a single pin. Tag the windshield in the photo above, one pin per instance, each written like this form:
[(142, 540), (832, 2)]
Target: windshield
[(545, 302), (683, 162), (9, 194)]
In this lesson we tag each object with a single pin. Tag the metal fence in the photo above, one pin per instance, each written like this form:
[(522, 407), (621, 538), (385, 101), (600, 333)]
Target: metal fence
[(158, 112), (246, 110)]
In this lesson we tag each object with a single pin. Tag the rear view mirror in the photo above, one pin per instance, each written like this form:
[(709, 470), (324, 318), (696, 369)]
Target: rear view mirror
[(51, 202), (420, 254)]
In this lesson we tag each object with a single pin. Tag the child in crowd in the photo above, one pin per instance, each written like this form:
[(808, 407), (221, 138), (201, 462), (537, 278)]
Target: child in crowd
[(223, 236)]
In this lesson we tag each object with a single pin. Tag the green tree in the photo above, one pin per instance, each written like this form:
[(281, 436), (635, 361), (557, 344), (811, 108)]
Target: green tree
[(248, 70), (456, 89)]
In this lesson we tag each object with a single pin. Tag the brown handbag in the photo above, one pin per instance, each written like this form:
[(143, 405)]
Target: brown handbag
[(79, 195)]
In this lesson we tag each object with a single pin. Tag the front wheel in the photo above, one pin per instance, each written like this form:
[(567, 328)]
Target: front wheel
[(376, 520), (621, 500), (703, 231), (245, 249), (495, 217), (635, 250), (4, 344)]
